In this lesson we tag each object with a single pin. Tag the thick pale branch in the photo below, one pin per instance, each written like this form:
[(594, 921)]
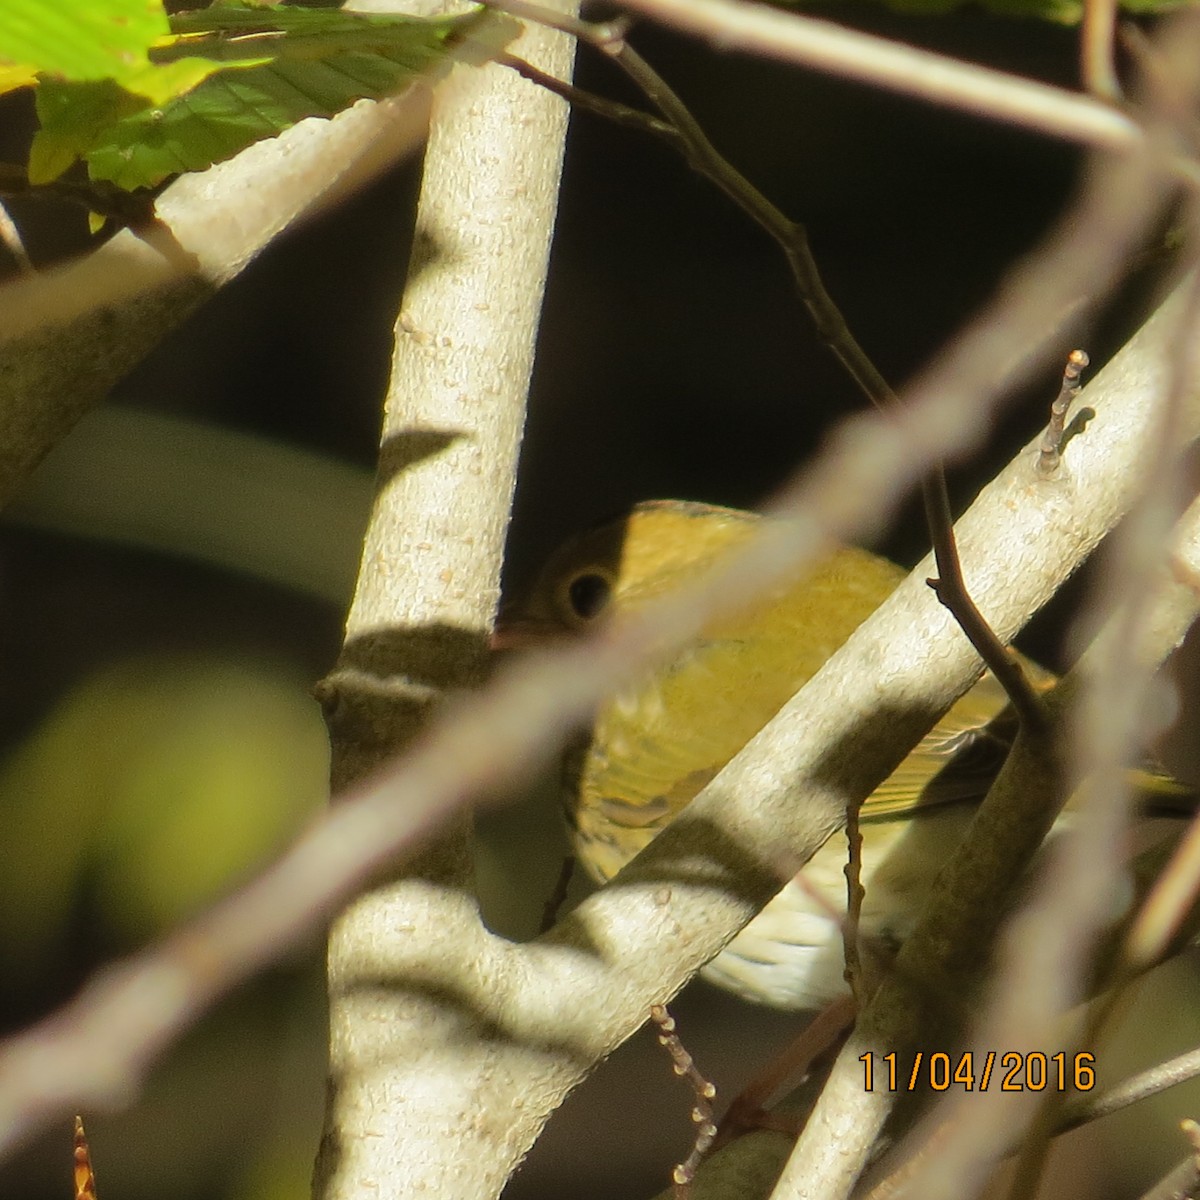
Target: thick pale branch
[(69, 334), (398, 1100)]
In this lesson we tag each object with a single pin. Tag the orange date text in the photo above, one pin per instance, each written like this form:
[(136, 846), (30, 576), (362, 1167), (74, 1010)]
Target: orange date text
[(975, 1071)]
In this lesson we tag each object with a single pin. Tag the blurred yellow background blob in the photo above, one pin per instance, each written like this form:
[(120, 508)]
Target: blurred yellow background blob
[(155, 785)]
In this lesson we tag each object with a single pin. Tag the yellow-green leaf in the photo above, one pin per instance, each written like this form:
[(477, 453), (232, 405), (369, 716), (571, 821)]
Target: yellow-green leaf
[(80, 39)]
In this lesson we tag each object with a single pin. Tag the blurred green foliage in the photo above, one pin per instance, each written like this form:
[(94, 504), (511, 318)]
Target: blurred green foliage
[(166, 781)]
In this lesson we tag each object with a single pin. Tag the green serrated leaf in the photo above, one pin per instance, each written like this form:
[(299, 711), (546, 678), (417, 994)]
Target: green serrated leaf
[(324, 61), (228, 76), (71, 117), (83, 41)]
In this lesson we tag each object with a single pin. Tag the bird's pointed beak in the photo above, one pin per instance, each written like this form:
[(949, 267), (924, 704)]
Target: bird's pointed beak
[(516, 631)]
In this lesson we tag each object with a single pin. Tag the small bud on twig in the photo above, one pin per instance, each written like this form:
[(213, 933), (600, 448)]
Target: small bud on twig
[(1053, 438), (702, 1113)]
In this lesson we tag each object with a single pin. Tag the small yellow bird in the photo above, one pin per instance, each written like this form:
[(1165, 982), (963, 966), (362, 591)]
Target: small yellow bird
[(655, 745)]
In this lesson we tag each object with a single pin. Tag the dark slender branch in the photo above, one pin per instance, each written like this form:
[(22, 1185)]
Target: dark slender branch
[(704, 157), (792, 238), (128, 208), (601, 106), (951, 589)]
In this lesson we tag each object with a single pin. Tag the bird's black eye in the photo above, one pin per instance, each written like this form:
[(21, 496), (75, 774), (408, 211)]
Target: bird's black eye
[(588, 594)]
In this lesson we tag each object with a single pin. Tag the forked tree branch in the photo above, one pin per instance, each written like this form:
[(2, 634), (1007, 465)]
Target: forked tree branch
[(529, 1021), (535, 1018)]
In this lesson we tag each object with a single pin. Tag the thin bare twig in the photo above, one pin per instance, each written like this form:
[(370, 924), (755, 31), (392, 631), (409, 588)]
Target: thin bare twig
[(855, 894), (704, 1092), (1052, 440)]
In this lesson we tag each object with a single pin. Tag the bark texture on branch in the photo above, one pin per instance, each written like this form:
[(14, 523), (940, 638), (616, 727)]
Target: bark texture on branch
[(407, 1056)]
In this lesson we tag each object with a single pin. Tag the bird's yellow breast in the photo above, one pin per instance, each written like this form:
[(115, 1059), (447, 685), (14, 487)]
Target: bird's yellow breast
[(654, 746)]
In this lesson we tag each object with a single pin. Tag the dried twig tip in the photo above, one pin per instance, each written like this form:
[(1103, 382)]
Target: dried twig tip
[(1053, 439), (1191, 1131), (85, 1181)]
